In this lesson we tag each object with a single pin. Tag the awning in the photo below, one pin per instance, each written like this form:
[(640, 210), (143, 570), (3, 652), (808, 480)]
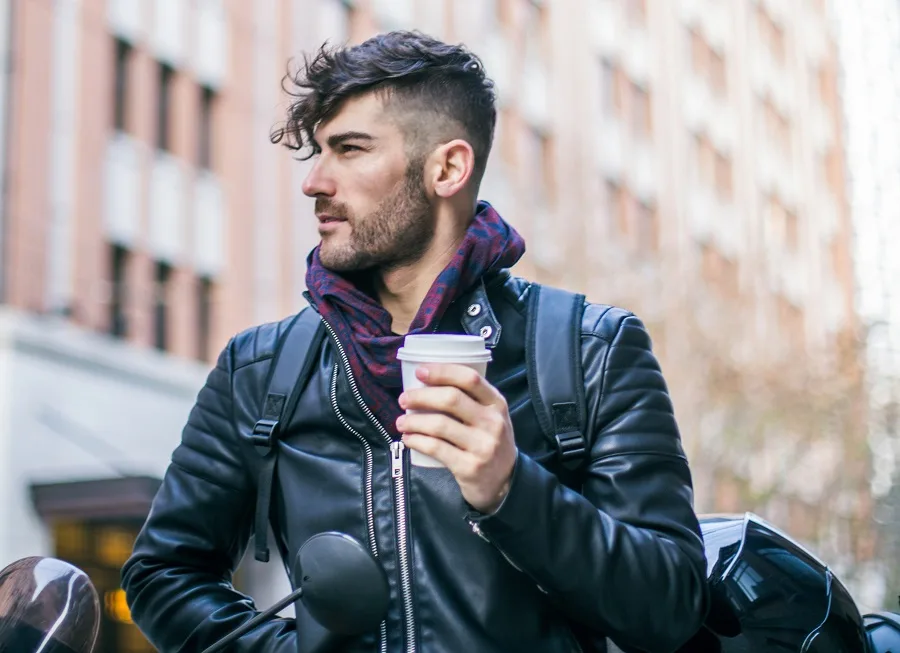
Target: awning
[(126, 497)]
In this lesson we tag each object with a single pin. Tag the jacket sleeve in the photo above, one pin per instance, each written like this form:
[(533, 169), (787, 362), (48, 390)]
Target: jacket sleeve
[(178, 579), (625, 557)]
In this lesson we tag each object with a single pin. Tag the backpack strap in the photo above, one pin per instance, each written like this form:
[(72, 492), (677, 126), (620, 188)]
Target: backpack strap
[(555, 372), (301, 342)]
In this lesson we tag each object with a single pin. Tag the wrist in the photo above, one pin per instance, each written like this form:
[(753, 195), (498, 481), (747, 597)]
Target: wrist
[(494, 505), (491, 506)]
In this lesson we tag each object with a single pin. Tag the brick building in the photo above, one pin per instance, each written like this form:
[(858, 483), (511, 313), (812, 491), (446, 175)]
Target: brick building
[(682, 158)]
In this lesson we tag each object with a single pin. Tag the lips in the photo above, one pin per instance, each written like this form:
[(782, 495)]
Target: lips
[(328, 219)]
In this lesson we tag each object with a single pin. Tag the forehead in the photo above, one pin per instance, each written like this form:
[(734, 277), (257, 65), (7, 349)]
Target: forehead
[(362, 113)]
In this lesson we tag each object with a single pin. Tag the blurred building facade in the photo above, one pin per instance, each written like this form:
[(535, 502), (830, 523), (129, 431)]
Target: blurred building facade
[(683, 158), (870, 61)]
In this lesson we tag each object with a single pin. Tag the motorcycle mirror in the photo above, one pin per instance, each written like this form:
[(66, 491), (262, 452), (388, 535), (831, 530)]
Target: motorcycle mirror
[(344, 586), (47, 606)]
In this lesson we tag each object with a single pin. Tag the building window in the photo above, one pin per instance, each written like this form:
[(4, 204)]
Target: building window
[(699, 53), (641, 118), (719, 272), (790, 319), (771, 34), (118, 322), (608, 98), (162, 280), (784, 224), (204, 316), (705, 160), (724, 183), (625, 99), (611, 197), (619, 90), (548, 171), (708, 64), (163, 108), (778, 130), (718, 77), (647, 227), (206, 131), (123, 53), (541, 172), (791, 231), (617, 207)]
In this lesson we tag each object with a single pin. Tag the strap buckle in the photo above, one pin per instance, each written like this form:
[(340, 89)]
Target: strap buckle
[(571, 447), (264, 432)]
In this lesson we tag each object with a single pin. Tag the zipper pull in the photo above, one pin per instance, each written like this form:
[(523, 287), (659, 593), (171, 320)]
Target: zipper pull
[(397, 448), (477, 530)]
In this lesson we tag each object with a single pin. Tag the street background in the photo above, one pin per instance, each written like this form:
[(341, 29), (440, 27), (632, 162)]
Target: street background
[(727, 169)]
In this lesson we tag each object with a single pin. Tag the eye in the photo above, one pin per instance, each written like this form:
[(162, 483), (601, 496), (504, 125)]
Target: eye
[(347, 148)]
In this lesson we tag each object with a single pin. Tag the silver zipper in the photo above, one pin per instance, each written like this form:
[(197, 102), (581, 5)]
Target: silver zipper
[(367, 448), (368, 472), (397, 449), (397, 456), (476, 528)]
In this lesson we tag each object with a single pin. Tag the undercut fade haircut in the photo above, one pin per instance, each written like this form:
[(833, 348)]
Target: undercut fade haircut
[(434, 91)]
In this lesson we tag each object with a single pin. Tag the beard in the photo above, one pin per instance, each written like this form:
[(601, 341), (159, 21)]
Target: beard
[(397, 232)]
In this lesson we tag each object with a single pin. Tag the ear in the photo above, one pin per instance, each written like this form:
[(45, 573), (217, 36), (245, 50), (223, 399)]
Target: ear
[(450, 168)]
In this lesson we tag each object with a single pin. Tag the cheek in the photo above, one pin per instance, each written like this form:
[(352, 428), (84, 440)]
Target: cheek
[(371, 180)]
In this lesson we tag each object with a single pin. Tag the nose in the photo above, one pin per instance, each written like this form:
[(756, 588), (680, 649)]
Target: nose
[(318, 182)]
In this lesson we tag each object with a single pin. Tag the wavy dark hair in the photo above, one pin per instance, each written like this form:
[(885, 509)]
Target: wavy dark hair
[(431, 88)]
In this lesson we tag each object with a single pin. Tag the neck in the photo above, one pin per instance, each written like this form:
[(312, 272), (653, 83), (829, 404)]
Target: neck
[(402, 290)]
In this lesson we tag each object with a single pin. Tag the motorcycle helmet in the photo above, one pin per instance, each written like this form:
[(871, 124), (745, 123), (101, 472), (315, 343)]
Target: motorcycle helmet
[(47, 606), (768, 593)]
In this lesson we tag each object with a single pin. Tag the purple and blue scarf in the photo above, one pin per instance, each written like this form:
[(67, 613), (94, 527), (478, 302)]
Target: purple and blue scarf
[(364, 327)]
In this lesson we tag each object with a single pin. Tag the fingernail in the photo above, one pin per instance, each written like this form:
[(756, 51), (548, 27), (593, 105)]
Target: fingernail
[(400, 422), (402, 400), (422, 373)]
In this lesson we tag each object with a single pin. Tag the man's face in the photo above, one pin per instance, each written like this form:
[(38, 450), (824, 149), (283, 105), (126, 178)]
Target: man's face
[(371, 202)]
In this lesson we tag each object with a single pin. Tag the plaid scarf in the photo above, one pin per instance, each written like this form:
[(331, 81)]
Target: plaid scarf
[(363, 326)]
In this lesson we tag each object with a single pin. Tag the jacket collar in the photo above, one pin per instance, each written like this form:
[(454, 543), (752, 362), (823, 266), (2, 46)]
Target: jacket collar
[(478, 317)]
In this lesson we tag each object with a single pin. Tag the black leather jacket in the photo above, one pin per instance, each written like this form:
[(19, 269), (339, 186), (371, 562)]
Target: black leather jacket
[(554, 570)]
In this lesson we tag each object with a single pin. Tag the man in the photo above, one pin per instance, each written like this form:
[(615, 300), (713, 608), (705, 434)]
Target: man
[(493, 553)]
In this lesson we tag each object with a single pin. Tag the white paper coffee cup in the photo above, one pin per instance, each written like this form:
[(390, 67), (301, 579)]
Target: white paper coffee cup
[(426, 348)]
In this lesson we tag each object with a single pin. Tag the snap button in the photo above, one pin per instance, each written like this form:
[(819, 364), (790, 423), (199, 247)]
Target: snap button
[(474, 309), (486, 332)]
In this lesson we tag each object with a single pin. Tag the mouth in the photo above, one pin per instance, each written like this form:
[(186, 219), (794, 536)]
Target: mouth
[(329, 223), (324, 218)]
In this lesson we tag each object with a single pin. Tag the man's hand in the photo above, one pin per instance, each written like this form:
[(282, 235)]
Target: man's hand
[(464, 424)]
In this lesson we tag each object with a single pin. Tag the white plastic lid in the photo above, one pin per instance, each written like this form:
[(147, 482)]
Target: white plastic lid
[(443, 348)]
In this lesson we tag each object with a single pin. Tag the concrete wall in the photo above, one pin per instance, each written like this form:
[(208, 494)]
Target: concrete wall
[(76, 405)]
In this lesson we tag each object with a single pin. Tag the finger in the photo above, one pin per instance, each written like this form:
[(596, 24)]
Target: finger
[(462, 377), (442, 399), (441, 427), (441, 450)]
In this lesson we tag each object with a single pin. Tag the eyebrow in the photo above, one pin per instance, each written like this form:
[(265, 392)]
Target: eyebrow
[(336, 139)]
